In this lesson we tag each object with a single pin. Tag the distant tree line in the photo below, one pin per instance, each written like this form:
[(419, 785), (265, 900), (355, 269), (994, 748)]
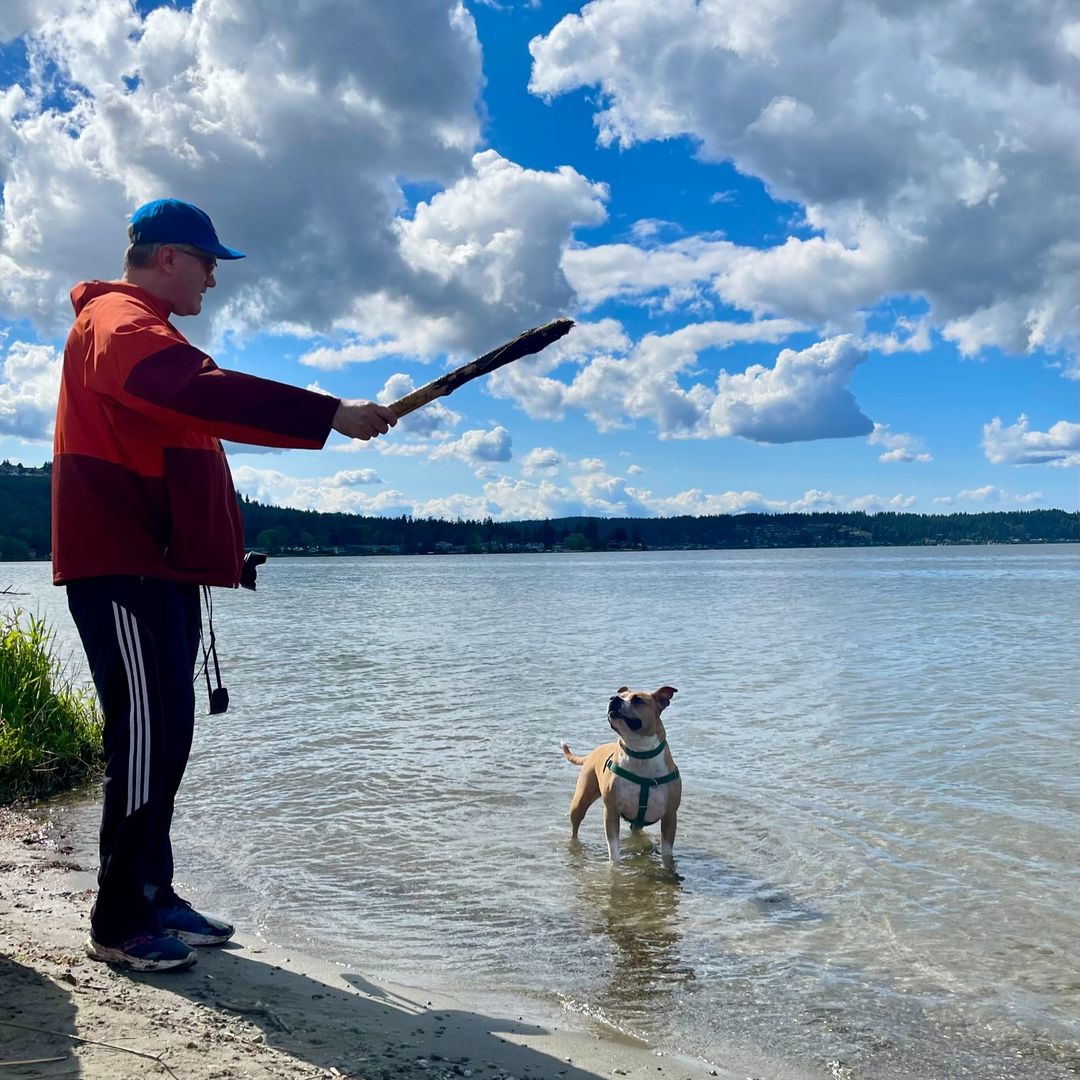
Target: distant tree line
[(273, 529), (25, 507), (25, 502)]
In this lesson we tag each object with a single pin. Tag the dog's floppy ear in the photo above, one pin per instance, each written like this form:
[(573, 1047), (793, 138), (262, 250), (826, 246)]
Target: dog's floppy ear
[(622, 689), (663, 695)]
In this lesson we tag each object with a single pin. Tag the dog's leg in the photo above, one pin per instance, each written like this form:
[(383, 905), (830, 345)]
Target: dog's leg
[(585, 794), (611, 829), (668, 824)]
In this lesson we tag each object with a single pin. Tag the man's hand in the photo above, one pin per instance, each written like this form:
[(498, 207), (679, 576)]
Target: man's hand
[(363, 419)]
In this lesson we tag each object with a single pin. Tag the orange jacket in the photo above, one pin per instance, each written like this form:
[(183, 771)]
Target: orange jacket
[(140, 482)]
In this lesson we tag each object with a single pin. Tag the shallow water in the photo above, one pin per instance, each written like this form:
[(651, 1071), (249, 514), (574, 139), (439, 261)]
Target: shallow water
[(876, 868)]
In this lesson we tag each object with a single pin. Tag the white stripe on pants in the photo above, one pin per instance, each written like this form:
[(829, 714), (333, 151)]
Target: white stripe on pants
[(127, 634)]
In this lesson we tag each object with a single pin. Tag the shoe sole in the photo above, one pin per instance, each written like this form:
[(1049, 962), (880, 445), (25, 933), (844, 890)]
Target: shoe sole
[(190, 938), (106, 953)]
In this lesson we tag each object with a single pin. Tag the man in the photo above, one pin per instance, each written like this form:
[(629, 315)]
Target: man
[(144, 513)]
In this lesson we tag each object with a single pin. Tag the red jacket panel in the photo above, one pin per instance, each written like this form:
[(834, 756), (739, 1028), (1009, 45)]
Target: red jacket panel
[(141, 484)]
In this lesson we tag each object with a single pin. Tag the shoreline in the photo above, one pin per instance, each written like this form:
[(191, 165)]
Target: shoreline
[(251, 1009)]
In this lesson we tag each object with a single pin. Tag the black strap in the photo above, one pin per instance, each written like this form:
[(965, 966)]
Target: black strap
[(219, 695)]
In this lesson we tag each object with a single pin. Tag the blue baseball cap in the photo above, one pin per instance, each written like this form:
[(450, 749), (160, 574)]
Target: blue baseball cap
[(170, 221)]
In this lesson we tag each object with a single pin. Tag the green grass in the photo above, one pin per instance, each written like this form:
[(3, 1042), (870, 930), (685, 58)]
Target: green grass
[(50, 730)]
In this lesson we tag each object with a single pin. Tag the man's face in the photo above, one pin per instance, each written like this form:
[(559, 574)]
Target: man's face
[(192, 274)]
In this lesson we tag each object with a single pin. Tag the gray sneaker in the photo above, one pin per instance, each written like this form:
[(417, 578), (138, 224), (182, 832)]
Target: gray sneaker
[(157, 951), (178, 917)]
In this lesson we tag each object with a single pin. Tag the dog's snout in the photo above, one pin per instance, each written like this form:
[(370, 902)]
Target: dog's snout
[(614, 702)]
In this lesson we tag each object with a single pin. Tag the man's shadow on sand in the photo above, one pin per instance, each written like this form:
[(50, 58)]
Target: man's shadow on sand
[(358, 1027), (35, 1016)]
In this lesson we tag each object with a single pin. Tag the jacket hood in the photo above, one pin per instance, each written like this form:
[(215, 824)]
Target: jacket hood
[(86, 291)]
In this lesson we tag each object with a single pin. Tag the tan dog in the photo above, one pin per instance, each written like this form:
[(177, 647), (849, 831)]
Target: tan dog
[(636, 776)]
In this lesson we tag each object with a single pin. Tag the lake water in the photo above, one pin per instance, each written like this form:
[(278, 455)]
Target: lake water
[(876, 870)]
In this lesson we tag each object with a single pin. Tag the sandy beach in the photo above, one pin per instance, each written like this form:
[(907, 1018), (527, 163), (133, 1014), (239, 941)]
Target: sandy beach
[(249, 1010)]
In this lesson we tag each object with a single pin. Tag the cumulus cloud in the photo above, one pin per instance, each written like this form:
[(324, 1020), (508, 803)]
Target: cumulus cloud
[(592, 491), (343, 492), (648, 380), (898, 447), (1017, 444), (542, 461), (816, 279), (989, 494), (478, 447), (363, 97), (243, 91), (803, 396), (29, 386), (483, 262), (357, 477), (931, 146), (696, 502), (507, 499)]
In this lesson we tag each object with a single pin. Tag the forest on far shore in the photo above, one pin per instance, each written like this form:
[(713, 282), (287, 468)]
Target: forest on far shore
[(25, 524)]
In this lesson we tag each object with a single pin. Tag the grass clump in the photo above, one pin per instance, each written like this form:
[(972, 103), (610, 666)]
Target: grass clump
[(50, 730)]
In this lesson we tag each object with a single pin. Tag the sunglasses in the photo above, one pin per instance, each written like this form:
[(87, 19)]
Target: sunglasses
[(209, 263)]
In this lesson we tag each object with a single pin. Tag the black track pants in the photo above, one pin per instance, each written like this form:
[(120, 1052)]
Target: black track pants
[(141, 637)]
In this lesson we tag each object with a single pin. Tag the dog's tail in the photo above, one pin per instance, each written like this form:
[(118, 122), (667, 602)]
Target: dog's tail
[(573, 758)]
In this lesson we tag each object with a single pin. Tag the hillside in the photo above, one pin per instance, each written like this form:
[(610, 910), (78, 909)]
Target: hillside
[(24, 529)]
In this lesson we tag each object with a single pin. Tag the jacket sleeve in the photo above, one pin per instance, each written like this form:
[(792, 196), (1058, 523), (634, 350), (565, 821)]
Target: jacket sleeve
[(145, 367)]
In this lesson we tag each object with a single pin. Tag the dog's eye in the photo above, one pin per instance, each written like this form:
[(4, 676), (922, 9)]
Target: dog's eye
[(636, 699)]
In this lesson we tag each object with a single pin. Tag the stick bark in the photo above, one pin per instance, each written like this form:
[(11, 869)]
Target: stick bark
[(532, 341)]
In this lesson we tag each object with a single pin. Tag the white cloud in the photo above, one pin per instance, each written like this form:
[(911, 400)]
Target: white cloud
[(645, 229), (1019, 445), (29, 386), (816, 501), (816, 279), (648, 383), (541, 461), (478, 447), (356, 477), (988, 493), (697, 502), (898, 447), (908, 335), (364, 97), (803, 396), (594, 492), (343, 492), (494, 239), (482, 260), (932, 146)]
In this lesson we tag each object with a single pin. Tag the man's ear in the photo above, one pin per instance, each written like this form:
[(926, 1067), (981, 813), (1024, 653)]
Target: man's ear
[(664, 695), (165, 258)]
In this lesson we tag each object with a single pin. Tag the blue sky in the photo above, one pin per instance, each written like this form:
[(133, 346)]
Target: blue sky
[(821, 254)]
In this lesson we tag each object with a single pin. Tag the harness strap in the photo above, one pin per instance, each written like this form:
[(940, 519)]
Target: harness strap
[(643, 754), (645, 783)]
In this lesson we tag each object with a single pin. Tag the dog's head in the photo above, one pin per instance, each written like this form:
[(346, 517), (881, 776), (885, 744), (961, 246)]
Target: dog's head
[(637, 712)]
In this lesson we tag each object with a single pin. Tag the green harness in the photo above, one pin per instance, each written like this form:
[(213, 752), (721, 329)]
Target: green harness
[(645, 783)]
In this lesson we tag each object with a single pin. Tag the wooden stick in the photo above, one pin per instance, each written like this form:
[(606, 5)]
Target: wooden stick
[(34, 1061), (532, 341), (91, 1042)]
